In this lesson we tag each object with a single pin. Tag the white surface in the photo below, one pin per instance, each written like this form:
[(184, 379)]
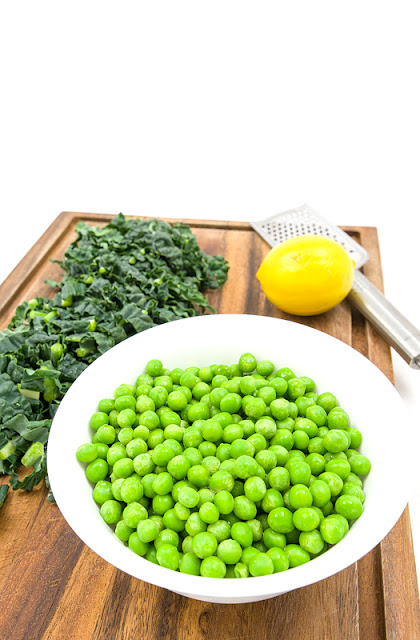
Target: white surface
[(231, 110), (332, 364)]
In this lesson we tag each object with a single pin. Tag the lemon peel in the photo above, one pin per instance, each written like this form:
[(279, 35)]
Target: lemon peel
[(306, 275)]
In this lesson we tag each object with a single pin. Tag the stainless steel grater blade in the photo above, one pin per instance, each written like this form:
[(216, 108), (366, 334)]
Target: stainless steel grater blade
[(400, 333), (304, 220)]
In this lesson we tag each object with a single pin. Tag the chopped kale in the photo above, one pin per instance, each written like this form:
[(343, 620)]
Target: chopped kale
[(118, 280)]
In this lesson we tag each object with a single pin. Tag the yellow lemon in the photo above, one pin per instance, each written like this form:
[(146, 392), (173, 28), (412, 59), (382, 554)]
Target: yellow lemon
[(306, 275)]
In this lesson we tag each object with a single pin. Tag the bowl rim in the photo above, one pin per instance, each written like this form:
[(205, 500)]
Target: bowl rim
[(218, 589)]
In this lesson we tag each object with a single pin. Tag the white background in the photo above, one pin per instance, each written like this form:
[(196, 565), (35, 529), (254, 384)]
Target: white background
[(220, 110)]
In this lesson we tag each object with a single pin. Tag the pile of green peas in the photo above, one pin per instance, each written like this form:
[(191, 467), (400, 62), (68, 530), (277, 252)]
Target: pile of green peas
[(225, 471)]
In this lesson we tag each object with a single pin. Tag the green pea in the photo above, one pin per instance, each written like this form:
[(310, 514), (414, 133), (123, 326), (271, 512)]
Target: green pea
[(154, 367), (155, 437), (261, 565), (245, 466), (147, 530), (151, 554), (305, 519), (98, 419), (317, 414), (198, 475), (213, 567), (147, 482), (279, 558), (238, 488), (106, 405), (296, 555), (332, 529), (337, 420), (143, 390), (144, 378), (172, 521), (321, 493), (208, 449), (161, 503), (224, 502), (188, 497), (334, 482), (265, 368), (247, 363), (271, 500), (300, 496), (168, 556), (163, 484), (97, 470), (355, 437), (255, 488), (230, 551), (240, 570), (135, 447), (111, 511), (247, 385), (295, 388), (247, 554), (102, 492), (167, 536), (300, 472), (136, 545), (211, 463), (221, 481), (303, 403), (353, 490), (126, 418), (266, 459), (255, 408), (311, 541), (87, 452), (125, 435), (123, 468), (131, 489), (181, 511), (327, 401), (360, 465), (193, 455), (242, 447), (349, 506), (231, 403), (195, 524), (159, 396), (178, 467), (174, 432), (241, 532), (125, 402), (220, 529), (176, 374), (341, 467), (190, 564), (268, 394), (123, 531), (280, 408), (244, 508)]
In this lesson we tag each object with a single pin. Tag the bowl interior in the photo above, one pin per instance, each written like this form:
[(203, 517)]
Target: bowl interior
[(362, 390)]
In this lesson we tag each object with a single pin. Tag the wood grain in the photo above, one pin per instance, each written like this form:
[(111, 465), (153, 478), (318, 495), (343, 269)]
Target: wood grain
[(53, 587)]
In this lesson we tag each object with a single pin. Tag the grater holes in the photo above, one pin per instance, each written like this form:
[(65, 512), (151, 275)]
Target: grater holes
[(303, 221)]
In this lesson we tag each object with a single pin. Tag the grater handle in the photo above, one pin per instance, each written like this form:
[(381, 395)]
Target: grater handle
[(397, 330)]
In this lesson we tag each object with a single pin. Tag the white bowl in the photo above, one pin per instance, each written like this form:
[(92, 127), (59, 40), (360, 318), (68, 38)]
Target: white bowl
[(362, 389)]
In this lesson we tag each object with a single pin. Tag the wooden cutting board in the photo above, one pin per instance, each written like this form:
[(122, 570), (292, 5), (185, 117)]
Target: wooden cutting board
[(54, 587)]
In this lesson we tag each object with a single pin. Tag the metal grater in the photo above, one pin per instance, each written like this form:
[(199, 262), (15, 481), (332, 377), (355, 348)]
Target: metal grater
[(399, 331), (305, 220)]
